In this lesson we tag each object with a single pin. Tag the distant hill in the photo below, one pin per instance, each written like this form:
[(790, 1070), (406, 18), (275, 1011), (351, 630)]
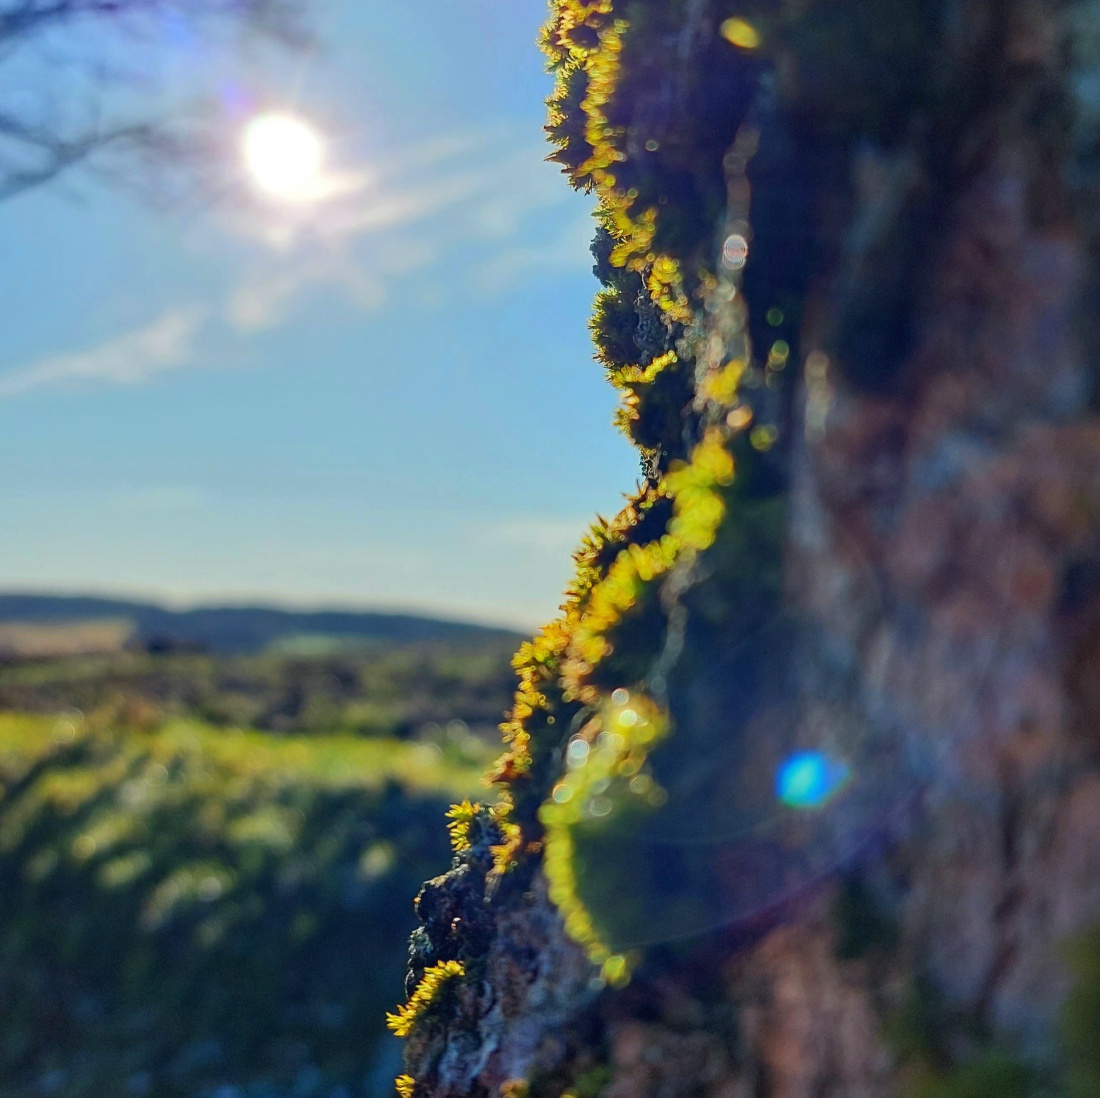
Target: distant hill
[(221, 629)]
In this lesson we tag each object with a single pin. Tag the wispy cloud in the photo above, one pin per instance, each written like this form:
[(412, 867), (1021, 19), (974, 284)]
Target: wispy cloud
[(471, 196), (167, 343), (264, 299), (495, 181)]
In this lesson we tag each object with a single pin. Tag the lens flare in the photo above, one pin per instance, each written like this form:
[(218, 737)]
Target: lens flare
[(809, 779), (741, 34), (284, 155)]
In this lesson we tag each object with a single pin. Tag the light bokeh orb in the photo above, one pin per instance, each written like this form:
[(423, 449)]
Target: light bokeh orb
[(284, 156), (809, 780)]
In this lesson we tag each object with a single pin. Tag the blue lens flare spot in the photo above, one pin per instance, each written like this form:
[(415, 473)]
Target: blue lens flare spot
[(809, 779)]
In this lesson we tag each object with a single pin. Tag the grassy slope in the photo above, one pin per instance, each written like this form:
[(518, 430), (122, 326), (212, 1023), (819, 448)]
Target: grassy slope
[(189, 910)]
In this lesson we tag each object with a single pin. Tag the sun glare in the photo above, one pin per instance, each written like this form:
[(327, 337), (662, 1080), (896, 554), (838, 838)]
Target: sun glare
[(284, 155)]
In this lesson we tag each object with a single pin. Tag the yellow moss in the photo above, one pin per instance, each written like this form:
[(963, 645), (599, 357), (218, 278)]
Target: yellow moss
[(461, 816), (722, 386), (643, 375), (539, 697), (506, 853), (613, 771), (698, 510), (427, 992), (618, 572)]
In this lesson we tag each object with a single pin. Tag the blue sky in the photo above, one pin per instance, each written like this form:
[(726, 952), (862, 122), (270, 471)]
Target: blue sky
[(387, 399)]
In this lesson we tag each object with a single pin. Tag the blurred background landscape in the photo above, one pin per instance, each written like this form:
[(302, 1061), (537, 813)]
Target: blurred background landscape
[(212, 826)]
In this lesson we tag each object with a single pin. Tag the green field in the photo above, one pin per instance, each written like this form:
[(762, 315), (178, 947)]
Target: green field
[(190, 907), (370, 691)]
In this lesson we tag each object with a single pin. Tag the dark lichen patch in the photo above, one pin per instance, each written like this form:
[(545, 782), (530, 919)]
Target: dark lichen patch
[(863, 927), (860, 68), (455, 909), (458, 912)]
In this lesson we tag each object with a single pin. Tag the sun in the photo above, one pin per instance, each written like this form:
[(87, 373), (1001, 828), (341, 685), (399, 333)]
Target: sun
[(284, 155)]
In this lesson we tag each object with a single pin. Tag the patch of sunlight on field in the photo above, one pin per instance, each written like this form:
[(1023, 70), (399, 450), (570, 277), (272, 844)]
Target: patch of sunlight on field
[(333, 762), (34, 640)]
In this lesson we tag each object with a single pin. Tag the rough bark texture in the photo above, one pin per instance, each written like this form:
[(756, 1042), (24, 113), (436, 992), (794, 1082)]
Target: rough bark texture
[(943, 561)]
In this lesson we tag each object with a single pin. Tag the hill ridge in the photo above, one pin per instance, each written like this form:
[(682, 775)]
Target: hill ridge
[(238, 628)]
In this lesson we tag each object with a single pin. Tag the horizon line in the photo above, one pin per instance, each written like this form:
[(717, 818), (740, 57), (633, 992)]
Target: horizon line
[(285, 604)]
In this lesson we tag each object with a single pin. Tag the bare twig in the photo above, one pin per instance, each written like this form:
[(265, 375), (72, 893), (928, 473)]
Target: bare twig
[(38, 144)]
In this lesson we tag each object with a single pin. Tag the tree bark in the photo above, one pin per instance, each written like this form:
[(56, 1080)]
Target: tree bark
[(941, 563)]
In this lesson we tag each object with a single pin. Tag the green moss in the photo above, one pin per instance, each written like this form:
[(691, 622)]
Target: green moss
[(925, 1036), (591, 820), (919, 1037), (587, 1079), (994, 1074), (592, 1083), (916, 1031), (1081, 1018)]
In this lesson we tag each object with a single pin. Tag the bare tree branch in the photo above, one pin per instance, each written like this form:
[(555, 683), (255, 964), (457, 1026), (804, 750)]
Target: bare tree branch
[(49, 134), (21, 19), (46, 155)]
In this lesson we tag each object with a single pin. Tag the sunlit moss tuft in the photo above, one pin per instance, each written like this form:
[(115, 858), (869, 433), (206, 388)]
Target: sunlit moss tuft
[(461, 817), (609, 779), (427, 994), (660, 194)]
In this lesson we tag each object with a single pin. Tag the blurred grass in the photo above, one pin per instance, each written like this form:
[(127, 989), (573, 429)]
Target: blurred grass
[(379, 690), (188, 910)]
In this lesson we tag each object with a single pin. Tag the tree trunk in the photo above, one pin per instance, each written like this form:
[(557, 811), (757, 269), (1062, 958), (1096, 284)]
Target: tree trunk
[(924, 627)]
